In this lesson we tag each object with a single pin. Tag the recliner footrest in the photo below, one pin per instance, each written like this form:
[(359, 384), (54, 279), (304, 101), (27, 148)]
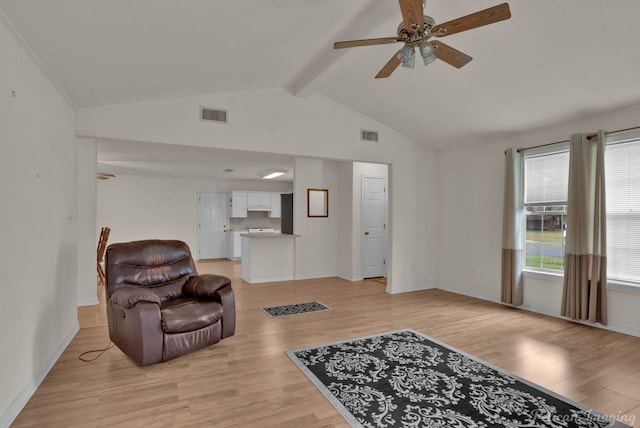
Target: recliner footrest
[(183, 315)]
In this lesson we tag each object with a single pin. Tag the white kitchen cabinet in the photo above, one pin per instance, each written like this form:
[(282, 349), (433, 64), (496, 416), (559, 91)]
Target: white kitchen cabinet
[(259, 201), (239, 204), (276, 207)]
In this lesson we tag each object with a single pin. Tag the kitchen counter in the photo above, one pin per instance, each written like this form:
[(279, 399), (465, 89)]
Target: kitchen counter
[(268, 257), (269, 235)]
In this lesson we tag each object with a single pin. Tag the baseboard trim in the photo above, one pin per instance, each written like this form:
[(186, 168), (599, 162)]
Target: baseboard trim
[(265, 280), (30, 388), (469, 294), (352, 278), (87, 302), (391, 290), (618, 328), (316, 276)]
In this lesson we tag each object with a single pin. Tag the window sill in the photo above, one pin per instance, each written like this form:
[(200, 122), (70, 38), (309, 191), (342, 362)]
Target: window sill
[(623, 287), (542, 274)]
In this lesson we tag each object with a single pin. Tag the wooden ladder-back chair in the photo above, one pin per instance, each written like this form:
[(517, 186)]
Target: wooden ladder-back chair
[(102, 246)]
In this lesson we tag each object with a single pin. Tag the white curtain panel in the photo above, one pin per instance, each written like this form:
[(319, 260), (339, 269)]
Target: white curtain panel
[(512, 228), (585, 274)]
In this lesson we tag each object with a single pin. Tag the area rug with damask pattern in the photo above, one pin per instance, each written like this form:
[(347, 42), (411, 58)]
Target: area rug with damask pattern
[(405, 379), (295, 309)]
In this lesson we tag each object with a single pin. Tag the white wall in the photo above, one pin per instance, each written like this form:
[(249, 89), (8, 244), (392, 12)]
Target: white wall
[(412, 216), (142, 207), (470, 232), (316, 248), (38, 225), (470, 193), (87, 235), (275, 121), (345, 241)]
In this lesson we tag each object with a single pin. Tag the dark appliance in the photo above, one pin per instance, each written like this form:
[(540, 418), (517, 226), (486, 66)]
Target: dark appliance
[(286, 201)]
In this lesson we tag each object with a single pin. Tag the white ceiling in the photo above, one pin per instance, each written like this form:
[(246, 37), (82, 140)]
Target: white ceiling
[(141, 158), (553, 61)]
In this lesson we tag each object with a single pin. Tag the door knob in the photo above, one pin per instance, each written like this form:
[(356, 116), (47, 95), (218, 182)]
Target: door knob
[(366, 233)]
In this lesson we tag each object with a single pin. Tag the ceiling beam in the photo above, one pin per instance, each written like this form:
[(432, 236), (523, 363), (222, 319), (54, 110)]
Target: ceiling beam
[(328, 61)]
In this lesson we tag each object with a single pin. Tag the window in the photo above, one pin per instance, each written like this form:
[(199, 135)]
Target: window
[(545, 208), (622, 164)]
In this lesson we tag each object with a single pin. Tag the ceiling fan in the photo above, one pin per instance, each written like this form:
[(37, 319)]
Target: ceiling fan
[(104, 176), (416, 29)]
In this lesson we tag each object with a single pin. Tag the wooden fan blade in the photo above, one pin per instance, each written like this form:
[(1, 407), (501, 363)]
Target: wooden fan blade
[(104, 176), (478, 19), (389, 67), (365, 42), (412, 15), (450, 55)]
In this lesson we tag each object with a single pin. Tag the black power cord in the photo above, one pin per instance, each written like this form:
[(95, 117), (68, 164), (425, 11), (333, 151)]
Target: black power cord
[(101, 351)]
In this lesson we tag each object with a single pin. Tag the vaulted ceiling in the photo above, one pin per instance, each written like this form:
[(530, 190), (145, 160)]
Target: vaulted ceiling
[(553, 61)]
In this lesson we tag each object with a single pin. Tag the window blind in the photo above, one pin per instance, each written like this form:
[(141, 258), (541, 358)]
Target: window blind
[(623, 210), (546, 178)]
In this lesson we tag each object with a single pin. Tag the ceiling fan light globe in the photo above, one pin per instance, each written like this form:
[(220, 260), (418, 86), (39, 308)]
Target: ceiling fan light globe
[(410, 62), (428, 59), (406, 55), (426, 49)]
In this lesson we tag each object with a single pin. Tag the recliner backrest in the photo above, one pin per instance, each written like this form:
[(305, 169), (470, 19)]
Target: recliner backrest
[(162, 266)]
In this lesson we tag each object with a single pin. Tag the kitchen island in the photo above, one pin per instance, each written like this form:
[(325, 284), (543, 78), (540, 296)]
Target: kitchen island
[(268, 257)]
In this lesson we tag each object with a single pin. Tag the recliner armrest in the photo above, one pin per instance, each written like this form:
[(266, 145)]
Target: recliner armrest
[(128, 297), (227, 299), (205, 286)]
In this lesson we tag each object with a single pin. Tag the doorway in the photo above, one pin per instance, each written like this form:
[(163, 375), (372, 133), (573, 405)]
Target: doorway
[(374, 227), (213, 240)]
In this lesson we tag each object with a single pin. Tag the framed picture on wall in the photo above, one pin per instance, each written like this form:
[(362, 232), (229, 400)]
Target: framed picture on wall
[(317, 203)]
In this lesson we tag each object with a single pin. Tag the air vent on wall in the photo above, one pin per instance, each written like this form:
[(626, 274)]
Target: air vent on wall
[(213, 115), (368, 135)]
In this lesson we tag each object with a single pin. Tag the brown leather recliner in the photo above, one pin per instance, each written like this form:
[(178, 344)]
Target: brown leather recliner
[(158, 307)]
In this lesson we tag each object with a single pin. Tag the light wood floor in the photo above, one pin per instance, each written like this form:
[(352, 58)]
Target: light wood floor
[(248, 381)]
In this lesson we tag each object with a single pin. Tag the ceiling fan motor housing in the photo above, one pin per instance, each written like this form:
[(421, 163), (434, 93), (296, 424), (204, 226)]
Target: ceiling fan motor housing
[(429, 23), (415, 38)]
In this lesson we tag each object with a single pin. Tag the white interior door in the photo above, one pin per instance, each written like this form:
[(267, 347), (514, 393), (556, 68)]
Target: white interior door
[(212, 225), (374, 213)]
